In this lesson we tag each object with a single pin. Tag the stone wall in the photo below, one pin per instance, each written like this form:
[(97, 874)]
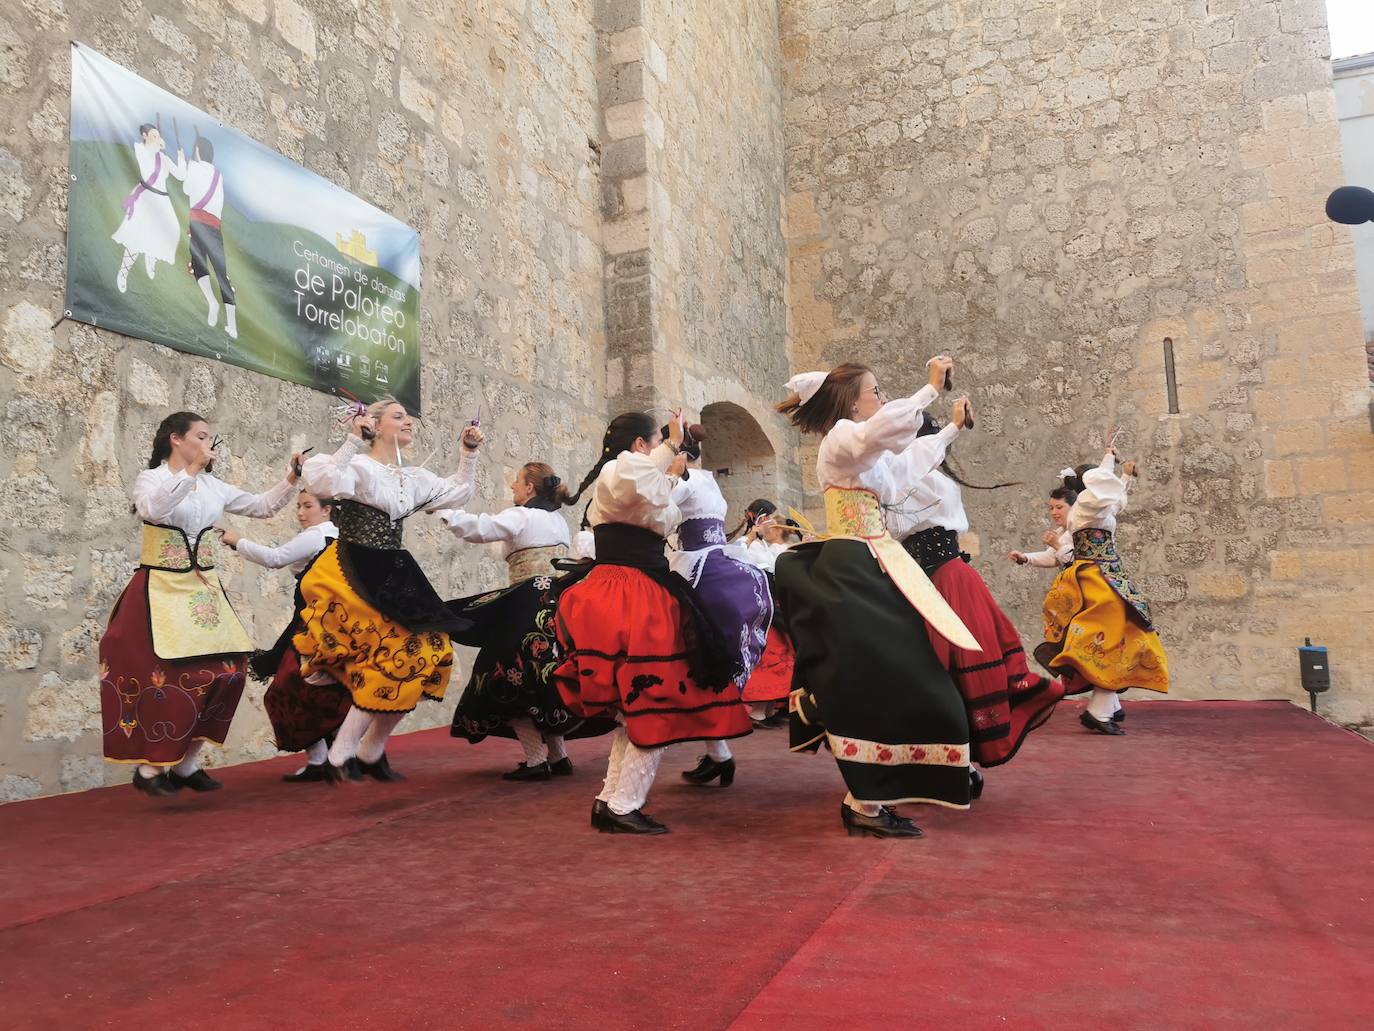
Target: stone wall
[(476, 122), (1047, 190), (696, 258)]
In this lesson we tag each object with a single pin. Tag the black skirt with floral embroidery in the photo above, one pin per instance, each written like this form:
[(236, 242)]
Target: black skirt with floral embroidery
[(514, 630)]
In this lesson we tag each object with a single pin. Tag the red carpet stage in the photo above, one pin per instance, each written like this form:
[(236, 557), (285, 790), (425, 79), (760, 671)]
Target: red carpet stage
[(1214, 868)]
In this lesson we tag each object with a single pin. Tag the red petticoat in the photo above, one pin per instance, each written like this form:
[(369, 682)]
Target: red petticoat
[(301, 712), (152, 709), (771, 680), (625, 650), (1004, 700)]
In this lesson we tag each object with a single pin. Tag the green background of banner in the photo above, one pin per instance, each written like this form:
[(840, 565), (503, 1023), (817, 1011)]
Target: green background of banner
[(171, 310)]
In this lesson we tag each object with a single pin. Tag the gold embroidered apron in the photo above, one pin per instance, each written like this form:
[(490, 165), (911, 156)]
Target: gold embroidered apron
[(853, 513), (187, 607), (531, 562)]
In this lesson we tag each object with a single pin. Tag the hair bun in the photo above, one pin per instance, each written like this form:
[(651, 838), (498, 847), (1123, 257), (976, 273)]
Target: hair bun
[(551, 483)]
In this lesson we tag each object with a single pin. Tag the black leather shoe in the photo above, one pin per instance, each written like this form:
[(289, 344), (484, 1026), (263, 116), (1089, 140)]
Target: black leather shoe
[(599, 811), (1119, 716), (708, 770), (380, 770), (198, 781), (562, 767), (777, 719), (631, 823), (975, 784), (1099, 727), (887, 824), (539, 771), (315, 773), (158, 785), (351, 770)]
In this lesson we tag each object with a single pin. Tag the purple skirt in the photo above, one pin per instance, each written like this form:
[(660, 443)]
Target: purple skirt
[(735, 596)]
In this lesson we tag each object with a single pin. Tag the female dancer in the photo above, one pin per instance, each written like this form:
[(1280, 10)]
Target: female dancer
[(733, 591), (371, 621), (771, 682), (636, 645), (172, 659), (1098, 631), (1058, 551), (925, 511), (150, 226), (510, 693), (304, 715), (875, 691)]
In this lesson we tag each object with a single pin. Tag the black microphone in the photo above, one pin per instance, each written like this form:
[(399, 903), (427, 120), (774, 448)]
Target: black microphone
[(1350, 205)]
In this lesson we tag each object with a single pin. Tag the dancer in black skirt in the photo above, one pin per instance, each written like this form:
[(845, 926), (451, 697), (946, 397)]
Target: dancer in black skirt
[(874, 691), (510, 693)]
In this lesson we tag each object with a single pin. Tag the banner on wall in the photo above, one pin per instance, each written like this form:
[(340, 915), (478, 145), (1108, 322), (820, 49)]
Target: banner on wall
[(187, 233)]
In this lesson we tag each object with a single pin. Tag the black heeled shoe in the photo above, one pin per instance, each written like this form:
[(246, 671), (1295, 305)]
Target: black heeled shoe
[(708, 770), (1100, 727), (599, 811), (350, 771), (887, 824), (539, 771), (975, 784), (1119, 716), (158, 786), (380, 770), (631, 823), (315, 773), (198, 781), (561, 767)]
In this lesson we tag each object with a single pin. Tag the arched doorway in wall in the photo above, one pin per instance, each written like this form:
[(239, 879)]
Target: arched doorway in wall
[(740, 454)]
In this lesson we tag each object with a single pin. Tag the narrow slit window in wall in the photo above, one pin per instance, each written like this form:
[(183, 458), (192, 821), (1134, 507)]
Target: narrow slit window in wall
[(1170, 379)]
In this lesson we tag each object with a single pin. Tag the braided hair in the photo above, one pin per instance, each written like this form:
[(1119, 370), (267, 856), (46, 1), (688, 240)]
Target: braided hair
[(930, 425), (621, 434)]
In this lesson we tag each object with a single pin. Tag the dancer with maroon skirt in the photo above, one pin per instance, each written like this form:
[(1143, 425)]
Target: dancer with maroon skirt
[(173, 657), (924, 509), (305, 716), (635, 642)]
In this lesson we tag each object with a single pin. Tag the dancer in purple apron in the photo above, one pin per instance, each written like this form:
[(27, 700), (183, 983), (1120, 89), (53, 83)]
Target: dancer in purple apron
[(305, 716), (733, 591), (149, 225), (173, 656)]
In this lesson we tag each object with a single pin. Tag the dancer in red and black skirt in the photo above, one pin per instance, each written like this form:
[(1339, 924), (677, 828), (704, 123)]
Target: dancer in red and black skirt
[(635, 642), (304, 716), (173, 657), (925, 511), (857, 607), (511, 693)]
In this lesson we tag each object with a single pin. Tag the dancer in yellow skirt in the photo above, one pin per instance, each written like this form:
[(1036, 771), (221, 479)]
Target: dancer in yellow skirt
[(1099, 634), (371, 620)]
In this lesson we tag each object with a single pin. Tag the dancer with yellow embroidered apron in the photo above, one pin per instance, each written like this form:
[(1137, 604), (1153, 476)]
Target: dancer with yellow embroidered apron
[(304, 716), (371, 620), (924, 509), (510, 693), (857, 607), (1099, 633), (636, 645), (174, 655)]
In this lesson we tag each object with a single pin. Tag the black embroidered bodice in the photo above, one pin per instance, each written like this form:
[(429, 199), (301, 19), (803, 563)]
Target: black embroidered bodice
[(365, 525)]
